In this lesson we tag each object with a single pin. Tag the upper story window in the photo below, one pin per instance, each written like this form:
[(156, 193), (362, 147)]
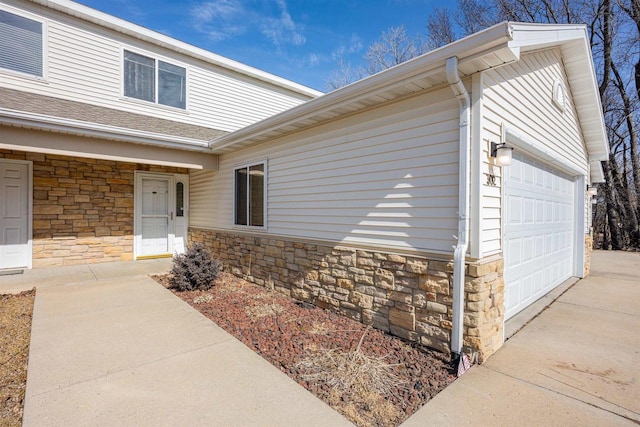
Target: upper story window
[(154, 80), (249, 197), (21, 44)]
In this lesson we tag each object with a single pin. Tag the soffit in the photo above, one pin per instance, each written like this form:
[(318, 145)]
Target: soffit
[(493, 47)]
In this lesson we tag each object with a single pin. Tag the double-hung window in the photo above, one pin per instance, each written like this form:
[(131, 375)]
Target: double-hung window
[(21, 44), (249, 200), (153, 80)]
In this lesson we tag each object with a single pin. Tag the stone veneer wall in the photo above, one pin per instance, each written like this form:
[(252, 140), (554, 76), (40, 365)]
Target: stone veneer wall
[(82, 208), (407, 296), (588, 247)]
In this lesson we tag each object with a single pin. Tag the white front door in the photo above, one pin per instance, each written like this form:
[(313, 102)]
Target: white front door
[(539, 227), (161, 214), (14, 215)]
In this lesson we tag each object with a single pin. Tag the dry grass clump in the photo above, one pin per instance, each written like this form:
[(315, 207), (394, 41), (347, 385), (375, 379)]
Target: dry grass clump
[(358, 384), (228, 284), (15, 334), (203, 299), (264, 310), (319, 329)]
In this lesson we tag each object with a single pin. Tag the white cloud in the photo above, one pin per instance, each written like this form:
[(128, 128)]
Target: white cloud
[(314, 59), (282, 29), (354, 45), (220, 20), (228, 18)]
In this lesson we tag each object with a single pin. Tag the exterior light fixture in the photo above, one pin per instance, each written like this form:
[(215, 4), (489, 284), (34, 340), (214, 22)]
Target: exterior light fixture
[(501, 153), (591, 190)]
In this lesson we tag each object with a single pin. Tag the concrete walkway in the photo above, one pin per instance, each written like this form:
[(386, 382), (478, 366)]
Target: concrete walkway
[(111, 347), (577, 363)]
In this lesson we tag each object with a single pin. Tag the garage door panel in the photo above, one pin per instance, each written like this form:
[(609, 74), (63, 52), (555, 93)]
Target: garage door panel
[(538, 231), (512, 300)]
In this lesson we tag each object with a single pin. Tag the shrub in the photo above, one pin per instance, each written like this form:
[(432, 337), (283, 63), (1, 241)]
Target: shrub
[(194, 270)]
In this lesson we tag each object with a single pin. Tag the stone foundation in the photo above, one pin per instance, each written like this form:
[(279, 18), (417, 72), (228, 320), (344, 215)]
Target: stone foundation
[(407, 296), (82, 208)]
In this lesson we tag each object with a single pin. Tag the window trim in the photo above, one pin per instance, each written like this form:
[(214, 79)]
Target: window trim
[(45, 45), (156, 59), (247, 165)]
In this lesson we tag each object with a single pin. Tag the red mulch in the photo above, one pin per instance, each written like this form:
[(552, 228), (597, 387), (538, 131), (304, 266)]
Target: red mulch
[(285, 331)]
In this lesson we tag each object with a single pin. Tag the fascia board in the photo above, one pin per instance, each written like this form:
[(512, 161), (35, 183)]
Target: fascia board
[(597, 173)]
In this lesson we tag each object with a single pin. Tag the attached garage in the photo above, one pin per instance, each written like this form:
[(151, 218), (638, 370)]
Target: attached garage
[(539, 231)]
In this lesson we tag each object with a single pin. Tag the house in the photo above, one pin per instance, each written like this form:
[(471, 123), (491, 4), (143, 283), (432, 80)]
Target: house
[(384, 200), (100, 123)]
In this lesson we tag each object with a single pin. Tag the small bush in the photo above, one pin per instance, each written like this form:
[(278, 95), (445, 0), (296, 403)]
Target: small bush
[(194, 270)]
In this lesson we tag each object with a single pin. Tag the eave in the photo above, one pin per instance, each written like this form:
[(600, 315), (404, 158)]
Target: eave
[(496, 46)]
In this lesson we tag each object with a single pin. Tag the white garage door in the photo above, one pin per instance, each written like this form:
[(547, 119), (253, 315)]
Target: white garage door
[(539, 227)]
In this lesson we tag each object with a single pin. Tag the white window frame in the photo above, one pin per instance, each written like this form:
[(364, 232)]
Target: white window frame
[(247, 165), (45, 44), (156, 58)]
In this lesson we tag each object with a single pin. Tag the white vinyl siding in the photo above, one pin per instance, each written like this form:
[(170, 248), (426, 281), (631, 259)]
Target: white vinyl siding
[(384, 178), (84, 64), (520, 95), (21, 44)]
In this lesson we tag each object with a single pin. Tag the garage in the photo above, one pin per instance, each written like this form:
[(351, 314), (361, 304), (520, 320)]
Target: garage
[(539, 231)]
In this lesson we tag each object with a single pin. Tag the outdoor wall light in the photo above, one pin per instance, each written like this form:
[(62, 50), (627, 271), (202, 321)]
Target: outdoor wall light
[(501, 153), (591, 190)]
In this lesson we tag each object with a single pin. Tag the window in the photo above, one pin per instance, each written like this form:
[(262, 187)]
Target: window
[(153, 80), (179, 199), (249, 195), (21, 44)]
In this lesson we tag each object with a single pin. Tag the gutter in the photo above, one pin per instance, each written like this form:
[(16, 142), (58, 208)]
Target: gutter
[(460, 250)]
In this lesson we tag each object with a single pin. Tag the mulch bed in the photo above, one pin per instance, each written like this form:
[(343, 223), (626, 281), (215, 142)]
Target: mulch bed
[(303, 341), (15, 332)]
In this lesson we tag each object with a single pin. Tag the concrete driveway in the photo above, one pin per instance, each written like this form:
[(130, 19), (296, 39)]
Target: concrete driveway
[(111, 347), (577, 363)]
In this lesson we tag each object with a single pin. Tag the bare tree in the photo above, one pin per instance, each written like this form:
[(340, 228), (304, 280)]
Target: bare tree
[(439, 29), (393, 47), (345, 75), (475, 15)]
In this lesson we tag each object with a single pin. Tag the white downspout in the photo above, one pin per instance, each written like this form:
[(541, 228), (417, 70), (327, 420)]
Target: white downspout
[(464, 173)]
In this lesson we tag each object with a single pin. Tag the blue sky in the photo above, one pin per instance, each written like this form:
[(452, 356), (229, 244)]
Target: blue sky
[(295, 39)]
